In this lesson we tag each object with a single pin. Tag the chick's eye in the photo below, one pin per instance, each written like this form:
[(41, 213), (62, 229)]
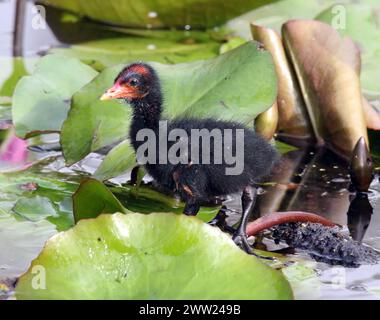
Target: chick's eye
[(133, 82)]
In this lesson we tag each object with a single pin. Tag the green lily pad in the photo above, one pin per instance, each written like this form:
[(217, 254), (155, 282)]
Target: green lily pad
[(237, 85), (231, 44), (275, 14), (94, 198), (20, 242), (108, 52), (17, 71), (362, 24), (117, 161), (41, 101), (157, 13), (156, 256), (102, 45)]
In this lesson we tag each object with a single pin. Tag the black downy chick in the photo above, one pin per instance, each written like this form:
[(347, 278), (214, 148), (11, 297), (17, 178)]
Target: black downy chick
[(200, 182)]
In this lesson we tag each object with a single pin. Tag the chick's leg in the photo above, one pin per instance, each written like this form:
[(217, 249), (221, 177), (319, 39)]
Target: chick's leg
[(192, 207), (248, 200), (189, 188)]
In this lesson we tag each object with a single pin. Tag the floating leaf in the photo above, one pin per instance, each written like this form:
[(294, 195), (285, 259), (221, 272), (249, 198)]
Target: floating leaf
[(17, 70), (237, 86), (108, 52), (41, 101), (156, 13), (35, 196), (20, 242), (93, 198), (102, 45), (91, 123), (156, 256), (35, 209), (117, 161), (275, 14), (231, 44)]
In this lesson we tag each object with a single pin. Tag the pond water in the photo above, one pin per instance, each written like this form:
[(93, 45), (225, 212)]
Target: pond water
[(317, 181), (306, 180)]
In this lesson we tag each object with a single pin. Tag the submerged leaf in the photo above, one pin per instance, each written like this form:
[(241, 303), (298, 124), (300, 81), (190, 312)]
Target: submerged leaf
[(35, 209), (156, 256), (34, 196)]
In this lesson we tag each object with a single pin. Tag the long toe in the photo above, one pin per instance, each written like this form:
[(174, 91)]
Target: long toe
[(241, 241), (220, 219)]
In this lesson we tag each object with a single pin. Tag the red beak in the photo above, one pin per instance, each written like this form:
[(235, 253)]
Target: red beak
[(116, 92)]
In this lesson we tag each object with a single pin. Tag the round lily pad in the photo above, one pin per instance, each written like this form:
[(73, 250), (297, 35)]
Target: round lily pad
[(155, 256)]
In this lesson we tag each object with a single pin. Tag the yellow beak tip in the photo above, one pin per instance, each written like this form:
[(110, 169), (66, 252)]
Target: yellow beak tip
[(105, 97)]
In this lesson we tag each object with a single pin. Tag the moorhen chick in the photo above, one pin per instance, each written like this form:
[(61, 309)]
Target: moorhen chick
[(196, 182)]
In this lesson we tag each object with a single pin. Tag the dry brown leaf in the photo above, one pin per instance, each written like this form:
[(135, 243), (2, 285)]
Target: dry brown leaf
[(371, 115), (266, 122), (293, 118), (327, 68)]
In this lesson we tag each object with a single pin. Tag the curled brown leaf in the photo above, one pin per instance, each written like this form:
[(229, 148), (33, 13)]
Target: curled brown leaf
[(327, 68), (293, 119)]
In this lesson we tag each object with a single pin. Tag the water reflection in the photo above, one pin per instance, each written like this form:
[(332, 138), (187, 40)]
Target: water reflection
[(317, 181), (359, 215), (309, 180)]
